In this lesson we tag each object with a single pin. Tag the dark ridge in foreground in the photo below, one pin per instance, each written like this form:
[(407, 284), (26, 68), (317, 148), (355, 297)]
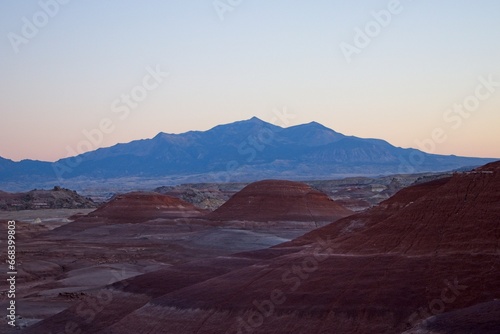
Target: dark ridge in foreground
[(483, 318)]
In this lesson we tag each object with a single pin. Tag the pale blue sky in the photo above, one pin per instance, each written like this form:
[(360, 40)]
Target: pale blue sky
[(265, 55)]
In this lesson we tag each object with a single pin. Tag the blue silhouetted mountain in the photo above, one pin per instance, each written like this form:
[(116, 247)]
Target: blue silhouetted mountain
[(250, 150)]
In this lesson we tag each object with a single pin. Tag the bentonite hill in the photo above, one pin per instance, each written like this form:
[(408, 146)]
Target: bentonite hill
[(141, 232), (277, 200), (424, 261)]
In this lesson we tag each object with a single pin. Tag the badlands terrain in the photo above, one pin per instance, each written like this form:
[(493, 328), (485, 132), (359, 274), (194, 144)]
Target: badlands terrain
[(276, 257), (57, 198)]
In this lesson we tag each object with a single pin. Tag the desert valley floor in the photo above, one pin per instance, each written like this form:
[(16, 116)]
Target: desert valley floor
[(277, 257)]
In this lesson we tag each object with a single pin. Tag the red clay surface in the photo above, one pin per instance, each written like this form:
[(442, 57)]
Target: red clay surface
[(278, 200), (61, 263), (140, 206), (425, 261)]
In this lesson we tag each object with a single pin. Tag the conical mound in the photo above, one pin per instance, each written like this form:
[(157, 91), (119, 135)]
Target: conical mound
[(137, 206), (278, 200)]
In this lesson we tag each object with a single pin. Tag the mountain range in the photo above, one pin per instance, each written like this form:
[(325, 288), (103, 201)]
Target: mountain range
[(245, 150)]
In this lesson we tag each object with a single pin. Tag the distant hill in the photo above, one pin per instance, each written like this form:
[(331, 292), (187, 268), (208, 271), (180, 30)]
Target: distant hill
[(140, 206), (57, 198), (241, 151)]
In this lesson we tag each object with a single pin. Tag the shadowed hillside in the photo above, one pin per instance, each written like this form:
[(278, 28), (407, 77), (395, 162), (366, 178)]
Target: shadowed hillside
[(430, 250)]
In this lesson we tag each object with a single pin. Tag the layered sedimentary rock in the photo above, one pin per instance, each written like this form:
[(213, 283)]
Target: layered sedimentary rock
[(140, 206), (424, 261), (278, 200)]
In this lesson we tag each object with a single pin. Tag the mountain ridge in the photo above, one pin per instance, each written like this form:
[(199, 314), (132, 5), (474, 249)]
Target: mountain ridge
[(251, 149)]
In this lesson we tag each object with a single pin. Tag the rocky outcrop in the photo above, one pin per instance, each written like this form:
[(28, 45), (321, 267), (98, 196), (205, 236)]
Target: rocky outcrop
[(204, 196), (57, 198)]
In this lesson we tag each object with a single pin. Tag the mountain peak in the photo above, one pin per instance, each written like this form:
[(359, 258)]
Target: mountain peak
[(251, 149), (256, 119), (317, 126)]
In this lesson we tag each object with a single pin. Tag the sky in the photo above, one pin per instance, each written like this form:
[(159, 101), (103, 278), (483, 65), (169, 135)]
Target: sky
[(79, 75)]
